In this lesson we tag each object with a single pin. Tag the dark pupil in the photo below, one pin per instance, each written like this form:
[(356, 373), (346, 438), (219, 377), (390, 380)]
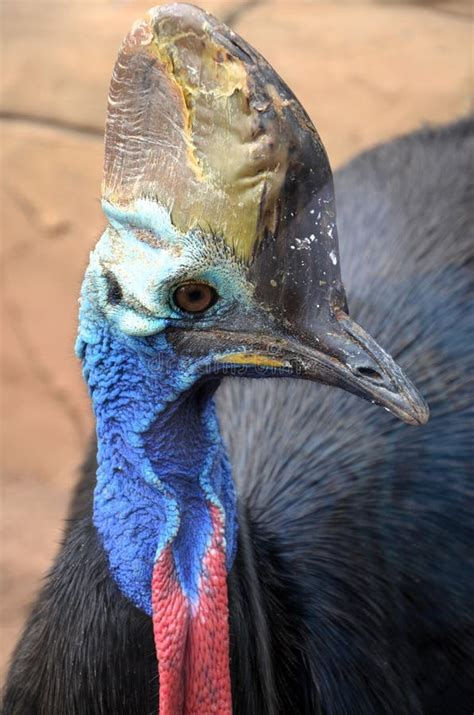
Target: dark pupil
[(195, 295)]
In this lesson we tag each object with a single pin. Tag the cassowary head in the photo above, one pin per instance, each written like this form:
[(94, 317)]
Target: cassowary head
[(222, 227), (220, 256)]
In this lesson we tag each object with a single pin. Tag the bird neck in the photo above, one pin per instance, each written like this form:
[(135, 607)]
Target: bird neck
[(165, 508)]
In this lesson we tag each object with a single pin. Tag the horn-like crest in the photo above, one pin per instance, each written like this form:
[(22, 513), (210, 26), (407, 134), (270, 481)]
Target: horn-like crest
[(199, 122)]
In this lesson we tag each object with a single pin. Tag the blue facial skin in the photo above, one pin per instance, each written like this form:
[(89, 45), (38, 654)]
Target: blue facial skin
[(160, 454)]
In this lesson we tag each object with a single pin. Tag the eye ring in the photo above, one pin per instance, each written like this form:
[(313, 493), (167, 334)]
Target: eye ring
[(194, 297)]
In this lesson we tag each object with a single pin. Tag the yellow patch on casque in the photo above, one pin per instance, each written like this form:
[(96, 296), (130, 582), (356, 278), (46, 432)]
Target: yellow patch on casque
[(218, 129), (252, 359)]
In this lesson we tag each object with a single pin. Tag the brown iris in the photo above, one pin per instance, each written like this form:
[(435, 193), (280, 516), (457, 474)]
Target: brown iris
[(194, 297)]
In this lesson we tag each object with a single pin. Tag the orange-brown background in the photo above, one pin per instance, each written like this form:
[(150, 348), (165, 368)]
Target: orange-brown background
[(365, 71)]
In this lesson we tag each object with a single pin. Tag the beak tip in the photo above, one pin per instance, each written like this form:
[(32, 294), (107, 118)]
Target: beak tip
[(418, 412), (422, 415)]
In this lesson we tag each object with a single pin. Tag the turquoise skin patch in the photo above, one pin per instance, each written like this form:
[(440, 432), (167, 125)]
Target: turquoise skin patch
[(148, 258)]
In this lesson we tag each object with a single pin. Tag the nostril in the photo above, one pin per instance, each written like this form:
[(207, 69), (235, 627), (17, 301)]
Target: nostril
[(370, 373)]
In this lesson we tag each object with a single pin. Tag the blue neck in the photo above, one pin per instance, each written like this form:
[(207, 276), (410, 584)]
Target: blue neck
[(161, 462)]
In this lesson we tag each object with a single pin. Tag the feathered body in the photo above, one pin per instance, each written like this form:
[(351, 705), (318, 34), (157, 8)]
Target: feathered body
[(351, 590)]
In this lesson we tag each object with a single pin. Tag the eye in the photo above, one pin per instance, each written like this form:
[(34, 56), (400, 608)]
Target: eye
[(194, 297)]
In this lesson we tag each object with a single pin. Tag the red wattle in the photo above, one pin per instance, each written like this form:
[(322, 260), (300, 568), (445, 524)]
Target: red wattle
[(192, 644), (170, 628)]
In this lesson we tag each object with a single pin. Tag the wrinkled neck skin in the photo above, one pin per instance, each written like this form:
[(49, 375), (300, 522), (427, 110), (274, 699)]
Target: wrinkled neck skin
[(164, 505)]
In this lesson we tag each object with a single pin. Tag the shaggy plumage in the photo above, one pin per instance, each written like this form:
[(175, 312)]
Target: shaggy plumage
[(352, 587)]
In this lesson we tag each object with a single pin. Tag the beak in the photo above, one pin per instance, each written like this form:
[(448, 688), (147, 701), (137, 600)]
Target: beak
[(343, 355)]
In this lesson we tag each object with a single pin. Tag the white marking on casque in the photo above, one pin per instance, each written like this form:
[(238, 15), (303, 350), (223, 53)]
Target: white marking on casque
[(303, 243)]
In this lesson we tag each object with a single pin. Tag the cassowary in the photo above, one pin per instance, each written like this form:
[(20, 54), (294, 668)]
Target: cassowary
[(275, 546)]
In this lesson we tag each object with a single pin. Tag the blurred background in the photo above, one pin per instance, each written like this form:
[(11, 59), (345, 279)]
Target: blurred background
[(365, 71)]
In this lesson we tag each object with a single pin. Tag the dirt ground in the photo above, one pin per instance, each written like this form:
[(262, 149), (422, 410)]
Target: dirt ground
[(364, 71)]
